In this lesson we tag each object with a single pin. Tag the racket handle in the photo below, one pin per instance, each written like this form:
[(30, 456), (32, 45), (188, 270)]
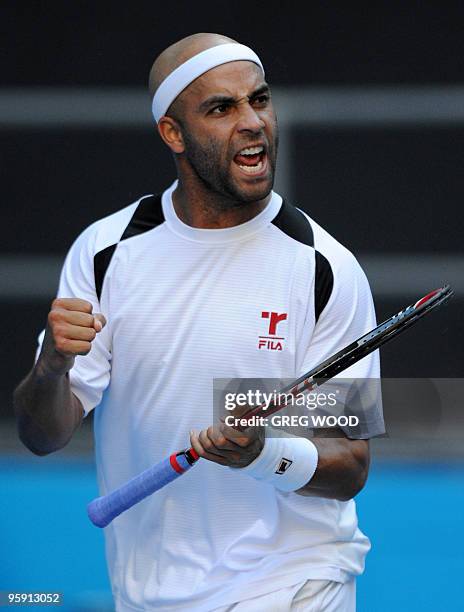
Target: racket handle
[(104, 509)]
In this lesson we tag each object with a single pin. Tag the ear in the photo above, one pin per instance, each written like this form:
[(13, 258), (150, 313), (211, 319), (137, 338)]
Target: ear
[(170, 132)]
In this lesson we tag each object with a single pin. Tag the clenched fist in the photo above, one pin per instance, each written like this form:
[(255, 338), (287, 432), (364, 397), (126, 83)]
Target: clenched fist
[(71, 328)]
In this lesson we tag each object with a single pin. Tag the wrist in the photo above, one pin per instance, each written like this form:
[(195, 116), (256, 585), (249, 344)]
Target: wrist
[(55, 367), (287, 462)]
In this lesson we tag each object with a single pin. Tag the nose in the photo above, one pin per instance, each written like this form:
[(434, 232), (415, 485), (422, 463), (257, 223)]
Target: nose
[(249, 120)]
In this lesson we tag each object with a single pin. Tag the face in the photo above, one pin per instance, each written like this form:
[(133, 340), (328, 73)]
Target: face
[(229, 130)]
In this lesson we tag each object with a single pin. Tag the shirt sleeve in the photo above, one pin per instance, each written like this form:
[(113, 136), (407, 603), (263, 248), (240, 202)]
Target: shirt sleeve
[(90, 374), (348, 314)]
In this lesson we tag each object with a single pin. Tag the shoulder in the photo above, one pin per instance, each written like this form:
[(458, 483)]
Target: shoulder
[(335, 255), (294, 225), (109, 230), (92, 251), (301, 228), (338, 277), (346, 284)]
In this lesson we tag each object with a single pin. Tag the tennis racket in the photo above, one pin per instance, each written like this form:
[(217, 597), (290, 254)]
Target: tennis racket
[(104, 509)]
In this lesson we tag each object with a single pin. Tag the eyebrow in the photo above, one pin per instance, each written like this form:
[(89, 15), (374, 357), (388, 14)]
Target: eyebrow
[(218, 99)]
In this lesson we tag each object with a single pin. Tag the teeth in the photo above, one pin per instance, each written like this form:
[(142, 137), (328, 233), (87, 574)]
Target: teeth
[(251, 151), (252, 169)]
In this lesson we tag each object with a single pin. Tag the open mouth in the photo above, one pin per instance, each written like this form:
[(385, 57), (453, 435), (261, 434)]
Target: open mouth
[(251, 160)]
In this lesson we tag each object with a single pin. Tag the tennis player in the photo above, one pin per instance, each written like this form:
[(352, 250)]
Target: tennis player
[(216, 277)]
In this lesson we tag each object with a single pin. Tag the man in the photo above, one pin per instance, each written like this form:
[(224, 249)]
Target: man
[(186, 284)]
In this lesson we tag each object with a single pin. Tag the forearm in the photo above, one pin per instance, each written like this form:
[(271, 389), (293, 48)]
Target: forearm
[(46, 409), (342, 468), (47, 412), (336, 469)]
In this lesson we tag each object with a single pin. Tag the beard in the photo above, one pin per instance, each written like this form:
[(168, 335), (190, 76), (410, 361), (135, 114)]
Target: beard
[(207, 163)]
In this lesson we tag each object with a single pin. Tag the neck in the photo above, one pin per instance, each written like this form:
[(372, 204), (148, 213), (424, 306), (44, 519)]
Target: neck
[(199, 207)]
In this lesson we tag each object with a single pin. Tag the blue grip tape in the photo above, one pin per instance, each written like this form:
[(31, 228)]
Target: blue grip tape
[(104, 509)]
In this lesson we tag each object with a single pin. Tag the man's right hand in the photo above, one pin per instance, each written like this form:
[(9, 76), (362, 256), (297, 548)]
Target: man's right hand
[(71, 328)]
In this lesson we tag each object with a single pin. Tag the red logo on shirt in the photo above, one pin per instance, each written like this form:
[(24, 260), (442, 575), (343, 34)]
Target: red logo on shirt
[(272, 342)]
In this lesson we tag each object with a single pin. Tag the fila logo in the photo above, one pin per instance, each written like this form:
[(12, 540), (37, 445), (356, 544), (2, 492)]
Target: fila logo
[(275, 319), (283, 466), (272, 342)]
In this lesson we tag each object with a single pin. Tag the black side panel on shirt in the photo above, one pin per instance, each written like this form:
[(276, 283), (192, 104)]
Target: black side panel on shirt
[(323, 284), (147, 215), (295, 224), (101, 261)]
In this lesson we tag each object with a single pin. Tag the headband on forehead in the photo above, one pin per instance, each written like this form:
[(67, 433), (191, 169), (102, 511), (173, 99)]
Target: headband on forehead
[(197, 65)]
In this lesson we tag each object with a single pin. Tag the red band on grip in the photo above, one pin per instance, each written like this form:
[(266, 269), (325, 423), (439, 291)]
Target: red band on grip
[(175, 466), (194, 453)]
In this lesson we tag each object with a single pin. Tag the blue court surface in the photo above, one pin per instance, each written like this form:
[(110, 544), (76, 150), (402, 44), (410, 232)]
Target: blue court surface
[(413, 515)]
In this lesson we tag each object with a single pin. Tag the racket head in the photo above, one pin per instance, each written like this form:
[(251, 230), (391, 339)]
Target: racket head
[(377, 337), (363, 346)]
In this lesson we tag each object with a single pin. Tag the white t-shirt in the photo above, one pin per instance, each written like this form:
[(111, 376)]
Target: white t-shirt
[(183, 306)]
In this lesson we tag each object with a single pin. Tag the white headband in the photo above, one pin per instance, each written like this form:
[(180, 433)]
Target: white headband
[(197, 65)]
